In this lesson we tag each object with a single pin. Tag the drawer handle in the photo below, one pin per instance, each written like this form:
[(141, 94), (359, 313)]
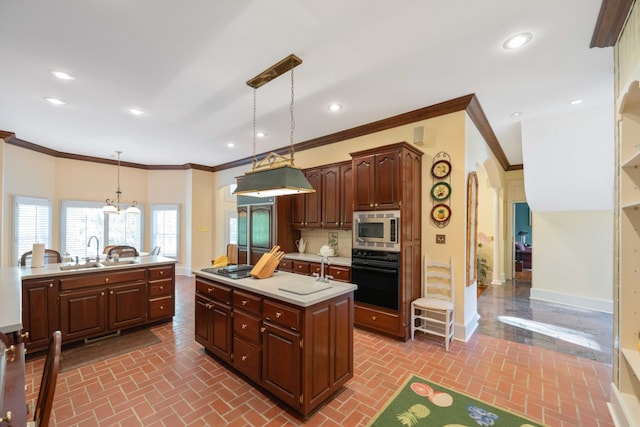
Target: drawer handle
[(262, 329), (111, 292), (244, 326), (162, 307), (7, 417), (25, 336), (244, 302), (101, 293), (278, 314), (373, 317), (244, 358), (51, 285), (106, 280), (161, 287), (209, 290)]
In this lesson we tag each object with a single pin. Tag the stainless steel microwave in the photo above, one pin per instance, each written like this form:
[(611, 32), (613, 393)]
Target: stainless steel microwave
[(378, 230)]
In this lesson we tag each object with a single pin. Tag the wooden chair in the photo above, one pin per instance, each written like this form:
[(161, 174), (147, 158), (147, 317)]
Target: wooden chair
[(107, 249), (44, 404), (433, 313), (51, 256), (123, 251)]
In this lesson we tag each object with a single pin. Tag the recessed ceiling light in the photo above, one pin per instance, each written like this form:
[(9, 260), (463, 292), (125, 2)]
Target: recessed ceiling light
[(62, 75), (136, 111), (55, 101), (576, 101), (334, 107), (516, 114), (517, 41), (261, 134), (230, 144)]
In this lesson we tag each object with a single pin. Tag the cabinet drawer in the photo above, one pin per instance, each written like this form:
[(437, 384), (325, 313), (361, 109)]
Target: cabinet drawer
[(160, 308), (314, 267), (301, 267), (288, 317), (161, 288), (247, 358), (376, 319), (286, 265), (215, 291), (246, 326), (247, 302), (93, 279), (339, 273), (156, 273)]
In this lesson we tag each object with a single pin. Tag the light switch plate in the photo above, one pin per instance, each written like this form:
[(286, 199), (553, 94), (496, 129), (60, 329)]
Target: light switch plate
[(440, 238)]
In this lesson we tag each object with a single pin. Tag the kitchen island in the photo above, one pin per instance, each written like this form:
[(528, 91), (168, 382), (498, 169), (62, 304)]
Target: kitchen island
[(297, 343), (85, 300)]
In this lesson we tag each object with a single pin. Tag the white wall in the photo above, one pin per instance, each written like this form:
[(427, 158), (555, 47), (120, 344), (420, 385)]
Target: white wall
[(572, 258)]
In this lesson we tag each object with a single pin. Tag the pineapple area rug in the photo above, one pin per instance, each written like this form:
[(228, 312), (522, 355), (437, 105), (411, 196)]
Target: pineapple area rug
[(419, 402)]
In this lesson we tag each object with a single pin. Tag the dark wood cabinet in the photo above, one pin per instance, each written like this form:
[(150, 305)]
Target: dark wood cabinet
[(95, 303), (39, 311), (83, 313), (331, 206), (301, 355), (376, 180), (390, 178)]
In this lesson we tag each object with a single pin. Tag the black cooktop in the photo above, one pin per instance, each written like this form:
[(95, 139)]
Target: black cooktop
[(239, 271)]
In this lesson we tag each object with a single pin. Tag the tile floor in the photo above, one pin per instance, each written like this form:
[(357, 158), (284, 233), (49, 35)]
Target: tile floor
[(175, 383)]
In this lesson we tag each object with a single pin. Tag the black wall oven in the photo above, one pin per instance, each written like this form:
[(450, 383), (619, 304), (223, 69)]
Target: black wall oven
[(377, 275)]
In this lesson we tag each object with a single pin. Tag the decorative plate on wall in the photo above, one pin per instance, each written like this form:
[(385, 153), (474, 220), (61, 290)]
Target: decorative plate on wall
[(441, 169), (441, 213), (440, 191)]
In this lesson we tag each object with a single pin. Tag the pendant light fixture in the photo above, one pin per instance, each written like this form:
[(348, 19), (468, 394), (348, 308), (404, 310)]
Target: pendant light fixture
[(112, 206), (275, 175)]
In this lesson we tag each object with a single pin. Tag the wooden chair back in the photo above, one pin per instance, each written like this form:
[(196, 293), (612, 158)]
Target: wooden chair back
[(44, 404), (51, 256), (232, 253), (123, 251)]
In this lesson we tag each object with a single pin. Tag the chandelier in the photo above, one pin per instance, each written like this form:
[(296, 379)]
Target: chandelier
[(274, 175), (112, 206)]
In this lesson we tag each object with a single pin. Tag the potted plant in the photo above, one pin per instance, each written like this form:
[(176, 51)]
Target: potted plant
[(483, 269)]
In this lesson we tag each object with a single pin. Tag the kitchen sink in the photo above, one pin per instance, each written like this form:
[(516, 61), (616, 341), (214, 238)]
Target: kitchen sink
[(100, 264), (80, 266), (119, 262)]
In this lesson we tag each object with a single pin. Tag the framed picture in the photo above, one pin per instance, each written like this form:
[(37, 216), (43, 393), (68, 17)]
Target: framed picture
[(472, 228)]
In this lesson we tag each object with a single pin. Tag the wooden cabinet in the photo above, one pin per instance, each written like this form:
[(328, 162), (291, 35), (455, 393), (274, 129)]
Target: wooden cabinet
[(390, 178), (376, 179), (213, 318), (286, 265), (94, 303), (301, 355), (331, 206), (338, 272), (39, 311)]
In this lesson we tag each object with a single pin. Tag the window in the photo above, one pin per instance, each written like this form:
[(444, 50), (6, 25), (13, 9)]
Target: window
[(81, 220), (165, 227), (32, 224), (231, 226)]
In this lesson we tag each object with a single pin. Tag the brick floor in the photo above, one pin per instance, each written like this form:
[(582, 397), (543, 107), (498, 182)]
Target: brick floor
[(174, 383)]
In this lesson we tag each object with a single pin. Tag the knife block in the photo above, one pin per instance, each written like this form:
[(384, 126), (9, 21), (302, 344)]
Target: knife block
[(265, 266)]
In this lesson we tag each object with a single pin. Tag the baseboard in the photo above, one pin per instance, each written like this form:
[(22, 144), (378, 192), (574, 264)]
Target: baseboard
[(464, 332), (605, 306), (617, 408)]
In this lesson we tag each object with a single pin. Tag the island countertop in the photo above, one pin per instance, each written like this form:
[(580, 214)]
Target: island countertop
[(11, 285), (270, 287)]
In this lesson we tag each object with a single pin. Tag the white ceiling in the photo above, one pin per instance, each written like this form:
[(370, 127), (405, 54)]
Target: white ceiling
[(185, 63)]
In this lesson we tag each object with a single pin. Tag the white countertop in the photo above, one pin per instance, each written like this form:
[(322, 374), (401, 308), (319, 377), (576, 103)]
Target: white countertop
[(11, 285), (269, 287), (336, 260)]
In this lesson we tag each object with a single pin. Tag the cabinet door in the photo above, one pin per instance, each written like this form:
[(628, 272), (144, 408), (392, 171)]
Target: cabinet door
[(298, 210), (313, 213), (331, 197), (82, 313), (260, 224), (363, 182), (281, 364), (127, 305), (242, 227), (387, 180), (203, 324), (39, 312), (221, 336), (346, 196)]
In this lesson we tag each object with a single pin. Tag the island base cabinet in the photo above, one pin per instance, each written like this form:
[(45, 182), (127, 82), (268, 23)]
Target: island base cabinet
[(281, 367), (301, 355), (39, 312), (213, 327), (82, 314)]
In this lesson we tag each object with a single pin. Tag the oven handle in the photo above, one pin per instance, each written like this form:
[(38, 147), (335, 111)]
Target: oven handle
[(375, 269), (356, 227)]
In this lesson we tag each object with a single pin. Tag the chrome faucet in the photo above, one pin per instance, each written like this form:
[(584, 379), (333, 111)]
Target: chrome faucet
[(97, 247), (322, 277)]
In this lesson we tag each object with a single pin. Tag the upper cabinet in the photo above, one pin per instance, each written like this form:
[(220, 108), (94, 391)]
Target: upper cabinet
[(331, 206), (376, 181)]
